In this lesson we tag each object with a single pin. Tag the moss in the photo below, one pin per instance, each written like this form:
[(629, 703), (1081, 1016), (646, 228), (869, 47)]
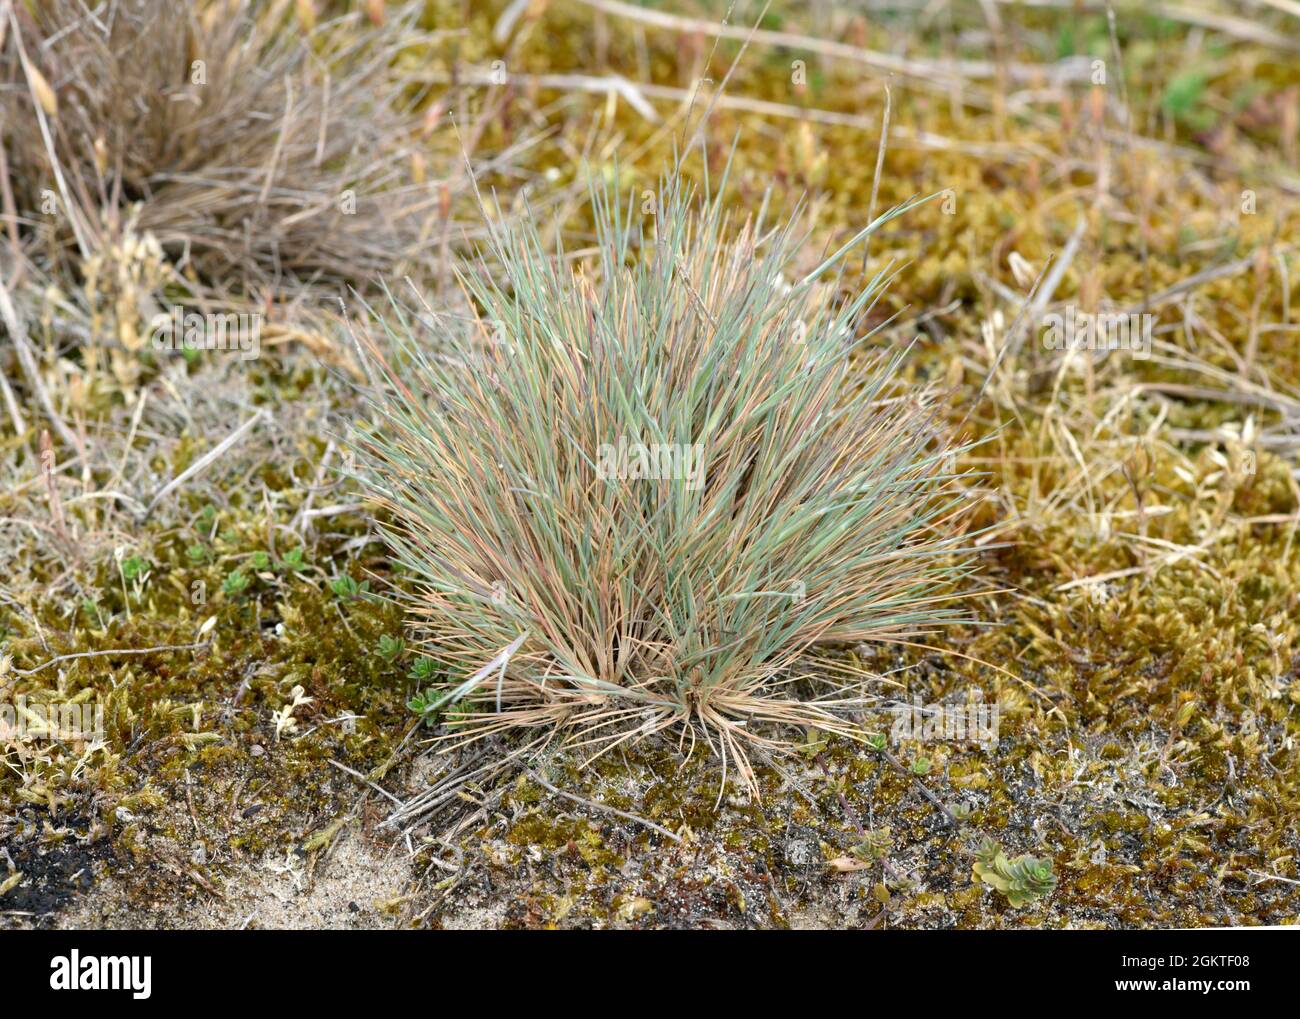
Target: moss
[(190, 754)]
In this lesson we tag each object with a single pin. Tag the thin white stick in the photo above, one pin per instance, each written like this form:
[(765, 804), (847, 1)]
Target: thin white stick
[(116, 651)]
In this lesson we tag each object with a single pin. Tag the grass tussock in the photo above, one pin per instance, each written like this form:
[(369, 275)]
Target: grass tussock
[(654, 491), (257, 149)]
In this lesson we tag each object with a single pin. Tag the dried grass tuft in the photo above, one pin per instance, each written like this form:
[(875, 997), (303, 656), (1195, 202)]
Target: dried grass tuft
[(245, 139)]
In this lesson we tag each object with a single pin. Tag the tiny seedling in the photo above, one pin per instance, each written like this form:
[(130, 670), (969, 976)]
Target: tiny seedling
[(135, 568), (347, 589), (423, 670), (1021, 880), (426, 703), (234, 584), (136, 571), (390, 648)]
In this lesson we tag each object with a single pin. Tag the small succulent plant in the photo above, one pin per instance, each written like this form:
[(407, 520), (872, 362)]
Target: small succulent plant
[(1021, 880)]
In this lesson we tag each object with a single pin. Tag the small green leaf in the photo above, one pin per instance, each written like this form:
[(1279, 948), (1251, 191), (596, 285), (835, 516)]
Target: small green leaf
[(345, 587), (134, 567), (426, 704), (423, 669), (234, 584), (1183, 93)]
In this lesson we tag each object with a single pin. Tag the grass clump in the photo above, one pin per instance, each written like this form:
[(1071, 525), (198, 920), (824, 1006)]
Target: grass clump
[(255, 148), (643, 492)]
